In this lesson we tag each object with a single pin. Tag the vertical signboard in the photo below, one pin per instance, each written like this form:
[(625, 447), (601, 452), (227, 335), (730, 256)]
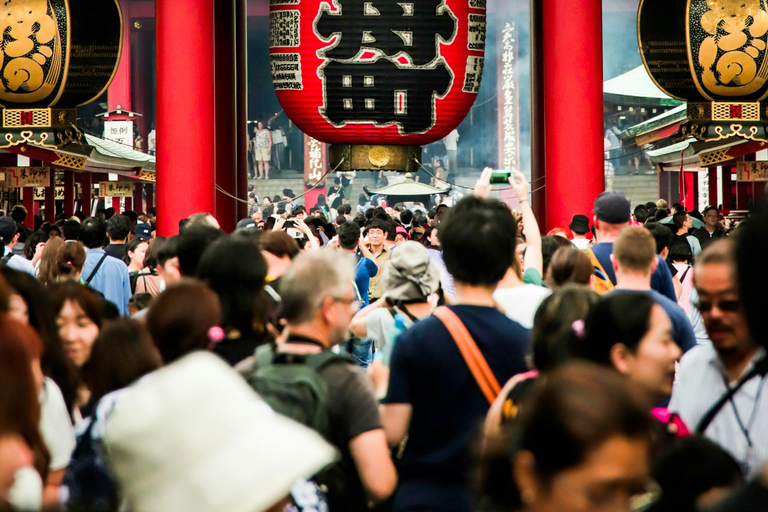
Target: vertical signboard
[(315, 165), (508, 99)]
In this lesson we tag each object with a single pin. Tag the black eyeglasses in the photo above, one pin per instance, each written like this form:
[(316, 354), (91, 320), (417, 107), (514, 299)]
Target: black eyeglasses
[(726, 306)]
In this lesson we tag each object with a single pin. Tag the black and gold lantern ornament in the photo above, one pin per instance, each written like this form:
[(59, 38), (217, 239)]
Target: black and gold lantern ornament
[(714, 55), (55, 55)]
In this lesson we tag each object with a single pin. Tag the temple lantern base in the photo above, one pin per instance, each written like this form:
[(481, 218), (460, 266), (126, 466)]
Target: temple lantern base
[(355, 157)]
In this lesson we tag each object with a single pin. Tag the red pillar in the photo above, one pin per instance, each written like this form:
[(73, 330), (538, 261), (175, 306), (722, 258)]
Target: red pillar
[(138, 198), (29, 203), (50, 200), (573, 97), (241, 47), (714, 185), (150, 190), (226, 140), (185, 111), (120, 88), (69, 193), (727, 189), (86, 186)]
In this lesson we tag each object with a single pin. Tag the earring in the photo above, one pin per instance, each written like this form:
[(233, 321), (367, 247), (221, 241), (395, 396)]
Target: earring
[(528, 496)]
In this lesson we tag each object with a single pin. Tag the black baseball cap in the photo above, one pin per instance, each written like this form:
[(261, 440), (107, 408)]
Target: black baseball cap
[(143, 231), (612, 207)]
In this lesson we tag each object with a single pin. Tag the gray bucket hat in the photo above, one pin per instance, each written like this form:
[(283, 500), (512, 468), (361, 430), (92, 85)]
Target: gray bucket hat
[(409, 275)]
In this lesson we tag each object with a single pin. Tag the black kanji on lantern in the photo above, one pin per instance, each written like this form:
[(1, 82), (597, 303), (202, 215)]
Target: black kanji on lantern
[(392, 26), (383, 93)]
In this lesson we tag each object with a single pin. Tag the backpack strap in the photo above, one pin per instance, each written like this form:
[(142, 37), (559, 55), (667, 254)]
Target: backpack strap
[(320, 360), (471, 354), (6, 259), (95, 269), (599, 270), (685, 274), (264, 355)]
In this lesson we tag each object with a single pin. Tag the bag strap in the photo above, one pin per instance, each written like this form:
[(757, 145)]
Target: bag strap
[(95, 269), (471, 354), (6, 259), (685, 274), (599, 268), (759, 370)]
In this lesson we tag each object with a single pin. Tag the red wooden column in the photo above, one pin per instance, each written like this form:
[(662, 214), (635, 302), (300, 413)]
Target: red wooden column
[(138, 198), (50, 200), (573, 99), (28, 201), (120, 89), (185, 111), (241, 47), (87, 191), (69, 193), (226, 140)]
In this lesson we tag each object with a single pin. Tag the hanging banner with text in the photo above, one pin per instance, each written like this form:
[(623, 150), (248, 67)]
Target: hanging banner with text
[(508, 99), (26, 177), (752, 171), (40, 193), (115, 189), (315, 160)]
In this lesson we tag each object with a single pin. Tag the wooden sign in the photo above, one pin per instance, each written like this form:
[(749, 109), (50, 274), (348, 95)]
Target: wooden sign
[(27, 177), (752, 171), (40, 193), (115, 189)]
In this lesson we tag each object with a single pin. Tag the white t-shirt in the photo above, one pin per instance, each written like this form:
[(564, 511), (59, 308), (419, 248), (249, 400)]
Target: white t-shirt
[(520, 303), (451, 141), (581, 244), (55, 425)]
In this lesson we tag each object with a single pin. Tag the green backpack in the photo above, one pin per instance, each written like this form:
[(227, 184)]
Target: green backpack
[(292, 386)]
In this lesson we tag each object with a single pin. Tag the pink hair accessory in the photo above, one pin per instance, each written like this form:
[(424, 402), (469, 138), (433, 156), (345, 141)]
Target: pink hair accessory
[(216, 334), (578, 328), (69, 263)]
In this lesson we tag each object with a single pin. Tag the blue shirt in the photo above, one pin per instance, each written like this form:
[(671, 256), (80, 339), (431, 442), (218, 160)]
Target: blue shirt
[(19, 263), (429, 373), (365, 270), (661, 279), (682, 330), (111, 280)]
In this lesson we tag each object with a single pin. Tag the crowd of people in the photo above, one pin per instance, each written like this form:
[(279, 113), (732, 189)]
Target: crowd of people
[(402, 358)]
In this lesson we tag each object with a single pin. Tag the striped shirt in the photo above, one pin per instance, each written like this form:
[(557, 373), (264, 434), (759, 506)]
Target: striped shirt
[(700, 383)]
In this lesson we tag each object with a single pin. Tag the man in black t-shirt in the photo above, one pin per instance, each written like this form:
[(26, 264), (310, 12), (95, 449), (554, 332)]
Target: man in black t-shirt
[(318, 302), (433, 396)]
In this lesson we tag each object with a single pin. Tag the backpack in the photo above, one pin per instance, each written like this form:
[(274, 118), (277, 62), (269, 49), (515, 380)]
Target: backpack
[(89, 480), (601, 283), (292, 386)]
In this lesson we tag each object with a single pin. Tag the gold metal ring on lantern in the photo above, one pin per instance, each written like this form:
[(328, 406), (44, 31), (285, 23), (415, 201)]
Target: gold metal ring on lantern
[(378, 156)]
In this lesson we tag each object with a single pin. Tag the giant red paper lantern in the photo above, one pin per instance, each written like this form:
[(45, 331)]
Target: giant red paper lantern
[(382, 73)]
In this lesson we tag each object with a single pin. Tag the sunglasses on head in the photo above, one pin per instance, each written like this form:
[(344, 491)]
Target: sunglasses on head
[(726, 306)]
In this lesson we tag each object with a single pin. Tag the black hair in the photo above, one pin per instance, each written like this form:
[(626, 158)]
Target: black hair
[(686, 469), (661, 233), (661, 213), (752, 246), (236, 271), (349, 235), (30, 246), (168, 250), (678, 207), (19, 213), (641, 213), (118, 227), (192, 244), (678, 219), (70, 230), (92, 232), (680, 251), (618, 318), (549, 246), (478, 230), (383, 225), (406, 217), (132, 216)]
